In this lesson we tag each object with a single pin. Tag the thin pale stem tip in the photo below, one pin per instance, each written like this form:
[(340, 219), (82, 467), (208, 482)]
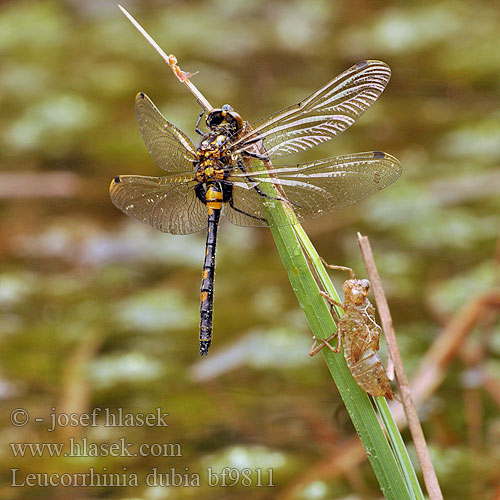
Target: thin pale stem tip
[(171, 60)]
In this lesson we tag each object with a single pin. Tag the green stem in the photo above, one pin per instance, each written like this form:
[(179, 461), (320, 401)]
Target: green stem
[(291, 241), (399, 449)]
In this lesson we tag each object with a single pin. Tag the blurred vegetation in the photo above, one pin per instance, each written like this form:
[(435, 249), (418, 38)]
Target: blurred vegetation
[(97, 310)]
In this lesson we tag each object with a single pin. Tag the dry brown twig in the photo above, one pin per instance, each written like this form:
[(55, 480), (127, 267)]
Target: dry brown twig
[(416, 431)]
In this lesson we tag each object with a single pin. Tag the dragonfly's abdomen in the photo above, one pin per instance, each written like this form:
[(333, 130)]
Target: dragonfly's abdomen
[(361, 342), (214, 201), (369, 373)]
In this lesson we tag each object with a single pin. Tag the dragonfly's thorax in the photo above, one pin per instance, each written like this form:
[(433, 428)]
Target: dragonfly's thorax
[(212, 146), (211, 158)]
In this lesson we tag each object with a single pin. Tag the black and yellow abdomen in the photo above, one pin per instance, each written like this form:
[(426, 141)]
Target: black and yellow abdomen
[(214, 201)]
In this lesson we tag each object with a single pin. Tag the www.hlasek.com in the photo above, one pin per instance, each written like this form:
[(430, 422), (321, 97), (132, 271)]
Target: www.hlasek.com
[(84, 447)]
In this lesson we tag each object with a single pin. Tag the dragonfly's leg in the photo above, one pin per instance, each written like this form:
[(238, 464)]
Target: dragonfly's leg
[(256, 155), (338, 268), (231, 204), (259, 191), (198, 131), (332, 303), (277, 198), (256, 187), (320, 343), (264, 195)]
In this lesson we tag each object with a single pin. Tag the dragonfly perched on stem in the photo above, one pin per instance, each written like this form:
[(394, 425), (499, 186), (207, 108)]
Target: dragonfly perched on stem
[(231, 172)]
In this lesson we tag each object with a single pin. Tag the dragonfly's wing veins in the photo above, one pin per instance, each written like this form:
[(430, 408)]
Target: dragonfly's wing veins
[(321, 116), (170, 148), (247, 206), (166, 203), (314, 188)]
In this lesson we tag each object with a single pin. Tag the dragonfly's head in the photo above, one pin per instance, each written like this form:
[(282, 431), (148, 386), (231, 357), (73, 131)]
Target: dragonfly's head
[(356, 291), (225, 119)]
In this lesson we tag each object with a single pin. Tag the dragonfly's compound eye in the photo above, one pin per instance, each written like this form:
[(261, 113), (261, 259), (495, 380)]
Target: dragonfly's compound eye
[(347, 287), (214, 118), (225, 117), (238, 120), (365, 284)]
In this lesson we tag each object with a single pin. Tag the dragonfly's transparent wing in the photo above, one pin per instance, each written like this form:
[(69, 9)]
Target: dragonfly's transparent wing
[(166, 203), (320, 117), (170, 148), (312, 189)]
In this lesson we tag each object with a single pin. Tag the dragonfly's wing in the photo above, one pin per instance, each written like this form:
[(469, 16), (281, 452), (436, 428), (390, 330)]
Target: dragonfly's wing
[(312, 189), (323, 115), (170, 148), (166, 203)]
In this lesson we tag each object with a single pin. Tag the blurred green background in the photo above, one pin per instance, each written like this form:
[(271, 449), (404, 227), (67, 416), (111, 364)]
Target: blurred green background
[(98, 310)]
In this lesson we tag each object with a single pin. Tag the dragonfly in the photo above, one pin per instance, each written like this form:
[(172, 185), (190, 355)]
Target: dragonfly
[(358, 331), (231, 172)]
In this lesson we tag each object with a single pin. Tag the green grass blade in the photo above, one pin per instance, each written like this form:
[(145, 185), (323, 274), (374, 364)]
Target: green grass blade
[(399, 448), (291, 241)]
